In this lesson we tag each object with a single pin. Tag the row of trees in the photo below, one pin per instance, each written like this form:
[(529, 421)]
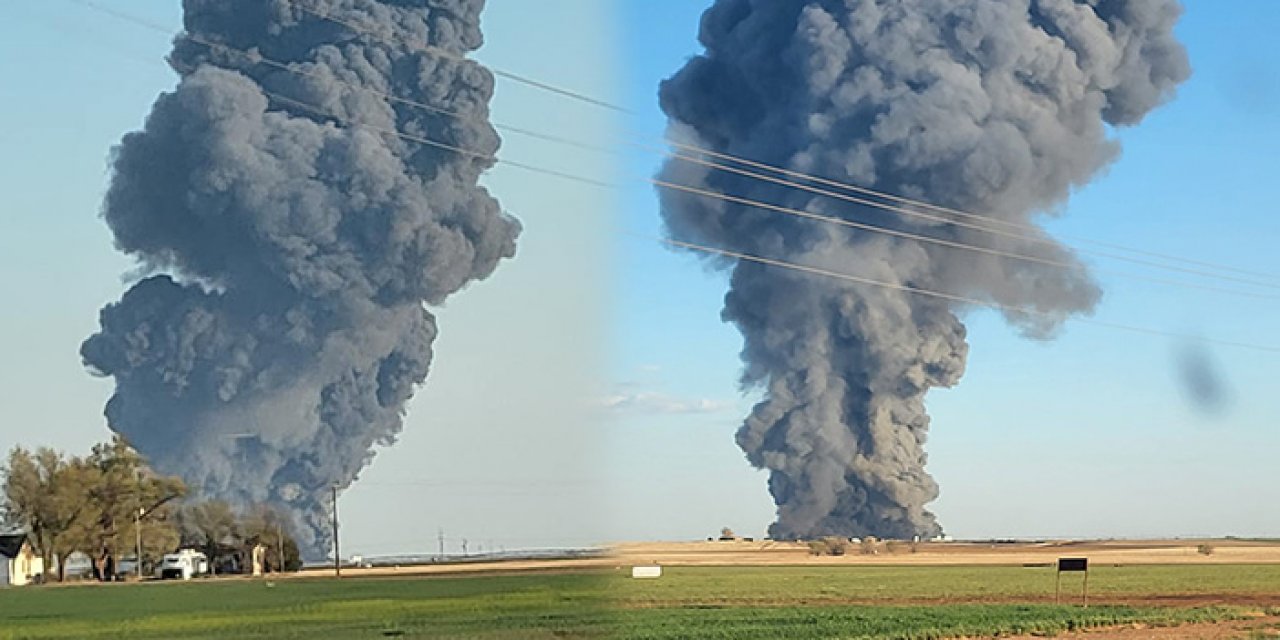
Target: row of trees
[(110, 502), (870, 545)]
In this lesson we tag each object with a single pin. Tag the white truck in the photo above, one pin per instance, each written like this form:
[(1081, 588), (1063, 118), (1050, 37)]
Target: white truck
[(183, 565)]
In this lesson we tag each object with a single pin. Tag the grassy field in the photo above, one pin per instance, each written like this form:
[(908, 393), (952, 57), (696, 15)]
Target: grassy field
[(746, 586), (892, 622), (790, 602), (532, 606)]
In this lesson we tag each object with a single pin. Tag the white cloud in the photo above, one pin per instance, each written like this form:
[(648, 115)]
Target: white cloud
[(658, 403)]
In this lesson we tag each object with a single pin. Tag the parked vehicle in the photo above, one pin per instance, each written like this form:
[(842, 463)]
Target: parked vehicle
[(77, 565), (126, 566), (183, 565)]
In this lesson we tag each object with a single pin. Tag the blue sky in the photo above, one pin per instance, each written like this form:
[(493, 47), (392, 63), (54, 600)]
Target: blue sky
[(588, 391), (1087, 435), (502, 445)]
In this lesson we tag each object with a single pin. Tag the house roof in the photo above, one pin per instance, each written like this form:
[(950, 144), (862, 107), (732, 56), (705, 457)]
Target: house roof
[(11, 544)]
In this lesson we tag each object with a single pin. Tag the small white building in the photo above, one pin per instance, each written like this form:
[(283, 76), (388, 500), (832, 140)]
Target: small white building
[(19, 564)]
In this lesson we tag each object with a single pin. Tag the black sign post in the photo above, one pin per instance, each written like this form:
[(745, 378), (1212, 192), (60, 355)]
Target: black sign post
[(1072, 565)]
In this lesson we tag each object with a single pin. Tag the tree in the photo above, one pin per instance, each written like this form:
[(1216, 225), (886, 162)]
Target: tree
[(266, 526), (44, 494), (110, 502), (212, 527), (103, 504), (122, 494), (869, 547), (829, 546)]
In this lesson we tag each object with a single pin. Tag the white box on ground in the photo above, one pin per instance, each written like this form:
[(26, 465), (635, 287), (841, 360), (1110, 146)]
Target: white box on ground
[(646, 572)]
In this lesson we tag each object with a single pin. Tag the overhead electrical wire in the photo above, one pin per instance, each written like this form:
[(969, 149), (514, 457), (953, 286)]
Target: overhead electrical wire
[(257, 58), (1025, 227), (961, 214), (1014, 309), (763, 260), (445, 53), (905, 211)]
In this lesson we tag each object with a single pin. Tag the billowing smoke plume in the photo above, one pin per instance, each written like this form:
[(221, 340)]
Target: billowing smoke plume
[(993, 106), (285, 327)]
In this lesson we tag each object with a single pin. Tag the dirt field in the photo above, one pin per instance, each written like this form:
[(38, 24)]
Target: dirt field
[(764, 553), (469, 568), (761, 590), (956, 554), (773, 553), (1259, 627), (733, 577)]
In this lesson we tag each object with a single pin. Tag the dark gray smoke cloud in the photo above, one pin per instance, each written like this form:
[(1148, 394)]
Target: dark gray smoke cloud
[(285, 327), (993, 106), (1201, 378)]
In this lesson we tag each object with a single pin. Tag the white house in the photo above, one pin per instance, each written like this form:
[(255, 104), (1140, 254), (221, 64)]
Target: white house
[(19, 564)]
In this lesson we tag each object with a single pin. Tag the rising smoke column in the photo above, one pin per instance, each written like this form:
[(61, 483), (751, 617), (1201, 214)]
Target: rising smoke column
[(284, 327), (994, 106)]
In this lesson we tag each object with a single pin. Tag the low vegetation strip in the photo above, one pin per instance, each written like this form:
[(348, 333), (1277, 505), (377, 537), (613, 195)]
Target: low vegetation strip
[(755, 586), (894, 622)]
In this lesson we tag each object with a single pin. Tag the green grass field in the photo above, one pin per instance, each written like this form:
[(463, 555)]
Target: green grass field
[(777, 602), (547, 606), (745, 586)]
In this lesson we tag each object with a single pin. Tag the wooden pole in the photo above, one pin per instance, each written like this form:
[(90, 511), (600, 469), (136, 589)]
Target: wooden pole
[(337, 554), (279, 547), (137, 532)]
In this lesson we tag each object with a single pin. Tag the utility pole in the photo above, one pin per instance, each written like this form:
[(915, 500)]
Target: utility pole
[(464, 547), (280, 547), (137, 533), (440, 538), (337, 554)]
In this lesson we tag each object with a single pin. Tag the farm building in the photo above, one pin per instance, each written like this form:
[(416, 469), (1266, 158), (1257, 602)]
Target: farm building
[(19, 564)]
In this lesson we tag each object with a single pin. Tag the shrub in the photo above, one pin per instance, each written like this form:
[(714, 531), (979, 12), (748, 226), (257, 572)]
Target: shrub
[(836, 546), (829, 546), (869, 546)]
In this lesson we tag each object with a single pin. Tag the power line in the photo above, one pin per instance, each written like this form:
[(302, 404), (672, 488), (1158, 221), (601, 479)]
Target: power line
[(256, 58), (959, 213), (443, 145), (938, 241), (942, 295), (765, 260), (834, 183), (905, 211), (967, 215), (515, 77), (907, 288), (687, 189)]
